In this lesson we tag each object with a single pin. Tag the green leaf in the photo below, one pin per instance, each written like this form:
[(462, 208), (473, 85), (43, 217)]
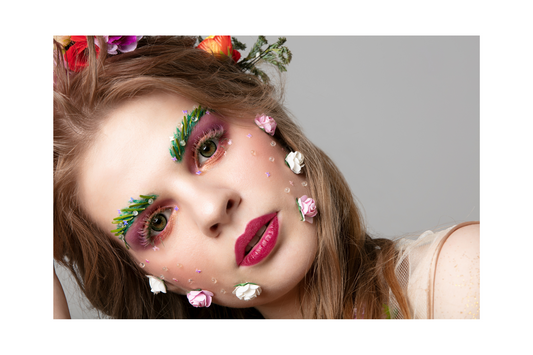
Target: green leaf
[(238, 45), (175, 152), (139, 204), (184, 128), (121, 218), (275, 54), (147, 197), (261, 40), (118, 230), (132, 209)]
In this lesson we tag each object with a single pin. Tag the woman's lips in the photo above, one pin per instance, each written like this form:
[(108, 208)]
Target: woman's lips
[(263, 247)]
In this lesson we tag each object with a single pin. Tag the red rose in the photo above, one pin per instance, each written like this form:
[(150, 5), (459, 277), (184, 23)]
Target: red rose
[(76, 55), (220, 45)]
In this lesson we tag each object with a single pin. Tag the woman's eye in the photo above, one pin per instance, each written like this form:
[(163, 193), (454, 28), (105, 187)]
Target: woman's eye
[(158, 222), (155, 226), (208, 149)]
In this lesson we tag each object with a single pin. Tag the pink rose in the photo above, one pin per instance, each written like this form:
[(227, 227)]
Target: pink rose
[(266, 123), (200, 298), (307, 208)]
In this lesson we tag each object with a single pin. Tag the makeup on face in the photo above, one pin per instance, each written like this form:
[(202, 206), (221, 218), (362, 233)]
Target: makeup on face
[(183, 131), (205, 140), (257, 241), (144, 222), (153, 226), (127, 216), (205, 143)]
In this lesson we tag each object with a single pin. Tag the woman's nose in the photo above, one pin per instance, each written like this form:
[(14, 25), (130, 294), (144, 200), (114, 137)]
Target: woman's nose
[(215, 211)]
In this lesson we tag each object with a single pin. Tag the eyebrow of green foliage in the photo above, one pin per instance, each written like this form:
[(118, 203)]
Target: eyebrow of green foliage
[(180, 138)]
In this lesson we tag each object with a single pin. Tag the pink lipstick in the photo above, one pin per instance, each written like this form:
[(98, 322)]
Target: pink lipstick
[(266, 225)]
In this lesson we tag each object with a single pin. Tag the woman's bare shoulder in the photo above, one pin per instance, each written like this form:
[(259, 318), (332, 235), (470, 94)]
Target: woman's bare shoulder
[(457, 275)]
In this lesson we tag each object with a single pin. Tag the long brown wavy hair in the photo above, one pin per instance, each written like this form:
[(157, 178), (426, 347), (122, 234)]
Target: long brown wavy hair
[(352, 274)]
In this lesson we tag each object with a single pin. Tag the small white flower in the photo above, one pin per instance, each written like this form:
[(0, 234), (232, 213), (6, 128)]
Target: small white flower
[(247, 291), (157, 284), (295, 161)]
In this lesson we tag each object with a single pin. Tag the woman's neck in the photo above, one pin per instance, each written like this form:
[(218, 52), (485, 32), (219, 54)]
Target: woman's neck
[(286, 307)]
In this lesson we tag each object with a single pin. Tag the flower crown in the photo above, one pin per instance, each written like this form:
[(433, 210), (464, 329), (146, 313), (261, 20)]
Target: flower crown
[(73, 50)]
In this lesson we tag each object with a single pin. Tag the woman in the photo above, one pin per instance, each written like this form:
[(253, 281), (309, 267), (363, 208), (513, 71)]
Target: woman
[(216, 211)]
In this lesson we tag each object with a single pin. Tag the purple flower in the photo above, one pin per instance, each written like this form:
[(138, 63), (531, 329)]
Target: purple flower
[(121, 44)]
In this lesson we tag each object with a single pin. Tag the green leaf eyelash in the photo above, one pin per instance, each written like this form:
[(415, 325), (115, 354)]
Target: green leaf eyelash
[(127, 215), (178, 142)]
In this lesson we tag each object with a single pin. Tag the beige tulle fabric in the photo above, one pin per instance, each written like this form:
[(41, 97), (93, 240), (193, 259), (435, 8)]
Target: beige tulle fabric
[(415, 270)]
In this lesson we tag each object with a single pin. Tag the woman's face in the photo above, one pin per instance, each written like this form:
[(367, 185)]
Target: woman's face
[(191, 233)]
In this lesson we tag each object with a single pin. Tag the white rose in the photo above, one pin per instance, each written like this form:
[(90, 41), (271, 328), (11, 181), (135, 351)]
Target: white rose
[(247, 291), (295, 161), (157, 284)]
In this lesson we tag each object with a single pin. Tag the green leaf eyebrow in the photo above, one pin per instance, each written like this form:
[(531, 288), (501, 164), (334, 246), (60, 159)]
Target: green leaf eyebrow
[(180, 138)]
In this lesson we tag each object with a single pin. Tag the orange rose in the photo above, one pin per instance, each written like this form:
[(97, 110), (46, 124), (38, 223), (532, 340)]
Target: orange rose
[(220, 45)]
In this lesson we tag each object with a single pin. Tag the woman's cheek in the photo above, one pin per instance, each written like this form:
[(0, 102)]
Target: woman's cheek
[(264, 158), (181, 272)]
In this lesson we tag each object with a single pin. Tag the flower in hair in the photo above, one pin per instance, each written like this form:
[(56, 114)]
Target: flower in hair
[(276, 54), (75, 55), (220, 45), (122, 44), (200, 298), (307, 208), (247, 291), (266, 123), (157, 285), (295, 161), (75, 48)]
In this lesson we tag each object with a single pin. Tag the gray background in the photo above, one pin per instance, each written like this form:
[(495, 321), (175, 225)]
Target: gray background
[(398, 115)]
